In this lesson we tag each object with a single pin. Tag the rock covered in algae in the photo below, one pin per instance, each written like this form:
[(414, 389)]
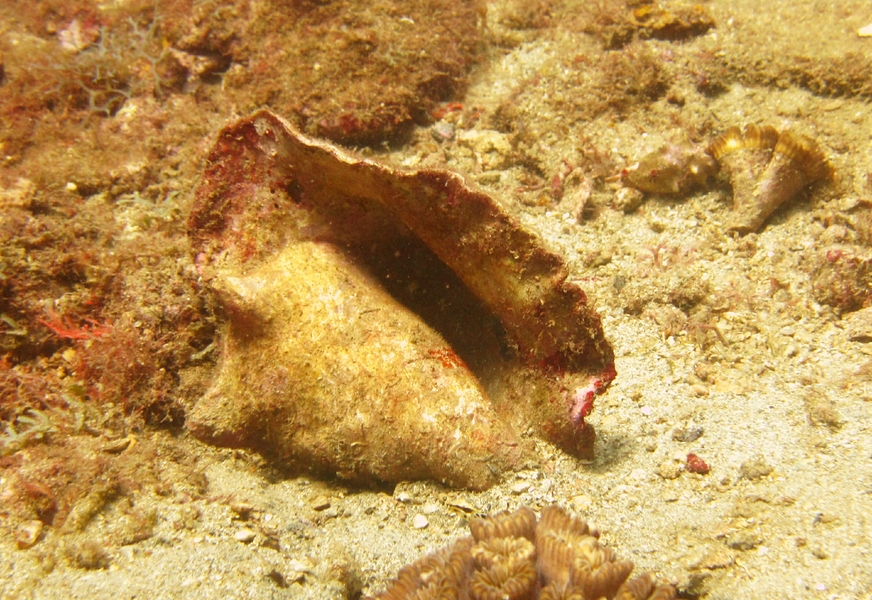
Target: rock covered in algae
[(357, 72), (383, 325), (511, 556)]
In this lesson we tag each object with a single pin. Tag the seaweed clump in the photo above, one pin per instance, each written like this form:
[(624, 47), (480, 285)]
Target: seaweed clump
[(511, 556)]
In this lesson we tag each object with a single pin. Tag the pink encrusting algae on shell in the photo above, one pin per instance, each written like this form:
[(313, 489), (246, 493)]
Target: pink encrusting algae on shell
[(766, 168), (382, 324)]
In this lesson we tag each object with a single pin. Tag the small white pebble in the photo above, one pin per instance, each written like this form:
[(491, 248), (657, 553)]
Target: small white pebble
[(520, 487), (582, 502), (647, 410), (420, 521), (27, 534), (320, 503), (670, 469), (246, 536), (301, 566), (699, 390)]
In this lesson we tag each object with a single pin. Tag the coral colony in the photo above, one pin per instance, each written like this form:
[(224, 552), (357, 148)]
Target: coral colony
[(511, 556)]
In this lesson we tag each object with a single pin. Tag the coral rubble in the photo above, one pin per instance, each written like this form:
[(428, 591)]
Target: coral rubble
[(384, 324), (511, 556)]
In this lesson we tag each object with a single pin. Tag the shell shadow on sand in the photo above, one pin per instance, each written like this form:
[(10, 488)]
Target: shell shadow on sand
[(382, 324)]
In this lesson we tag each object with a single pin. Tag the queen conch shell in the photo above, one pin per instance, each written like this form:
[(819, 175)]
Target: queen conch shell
[(383, 324), (766, 168)]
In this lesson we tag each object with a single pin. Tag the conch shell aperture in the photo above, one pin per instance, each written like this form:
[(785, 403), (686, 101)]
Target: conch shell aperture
[(383, 324)]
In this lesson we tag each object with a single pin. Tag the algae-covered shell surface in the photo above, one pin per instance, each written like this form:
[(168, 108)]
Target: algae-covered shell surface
[(383, 324)]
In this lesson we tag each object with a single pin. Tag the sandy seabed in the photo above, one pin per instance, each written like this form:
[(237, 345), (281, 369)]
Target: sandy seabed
[(743, 350)]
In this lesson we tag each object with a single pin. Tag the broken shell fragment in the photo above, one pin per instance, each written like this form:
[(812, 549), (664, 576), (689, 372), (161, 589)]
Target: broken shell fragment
[(671, 169), (766, 168), (382, 324)]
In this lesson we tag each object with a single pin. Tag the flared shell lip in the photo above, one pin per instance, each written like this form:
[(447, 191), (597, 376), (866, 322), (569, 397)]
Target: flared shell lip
[(752, 137), (800, 150)]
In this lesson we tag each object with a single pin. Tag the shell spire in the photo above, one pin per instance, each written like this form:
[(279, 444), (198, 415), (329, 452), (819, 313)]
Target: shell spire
[(766, 168)]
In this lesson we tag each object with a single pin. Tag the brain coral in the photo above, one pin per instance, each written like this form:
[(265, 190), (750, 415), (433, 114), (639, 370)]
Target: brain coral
[(512, 557)]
